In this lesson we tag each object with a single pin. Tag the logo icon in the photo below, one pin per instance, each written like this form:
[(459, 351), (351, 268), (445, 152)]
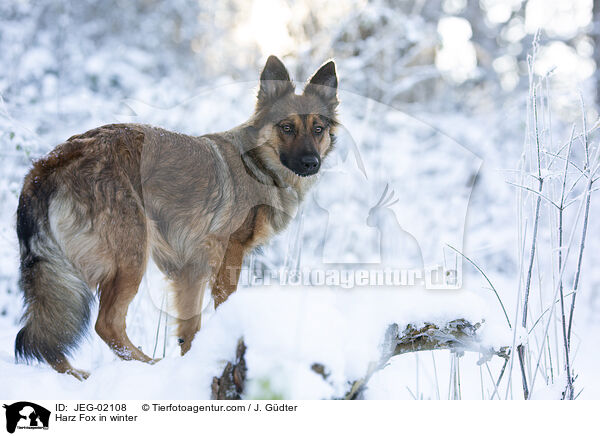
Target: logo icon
[(26, 415)]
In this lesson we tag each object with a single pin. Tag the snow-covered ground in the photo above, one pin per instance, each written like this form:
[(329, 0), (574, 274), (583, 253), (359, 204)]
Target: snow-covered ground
[(286, 331), (448, 171)]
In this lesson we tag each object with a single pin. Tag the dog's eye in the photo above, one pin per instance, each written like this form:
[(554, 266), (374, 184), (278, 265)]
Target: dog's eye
[(287, 128), (318, 130)]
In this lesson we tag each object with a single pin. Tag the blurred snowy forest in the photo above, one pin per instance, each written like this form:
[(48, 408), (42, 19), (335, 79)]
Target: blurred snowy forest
[(437, 101)]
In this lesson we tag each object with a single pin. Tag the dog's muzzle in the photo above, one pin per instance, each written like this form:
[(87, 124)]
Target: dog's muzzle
[(309, 164)]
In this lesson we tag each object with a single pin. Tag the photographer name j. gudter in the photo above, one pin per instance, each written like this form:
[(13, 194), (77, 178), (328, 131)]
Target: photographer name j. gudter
[(215, 407)]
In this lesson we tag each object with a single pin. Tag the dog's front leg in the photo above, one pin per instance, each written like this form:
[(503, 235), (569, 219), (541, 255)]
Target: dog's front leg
[(229, 274), (188, 288)]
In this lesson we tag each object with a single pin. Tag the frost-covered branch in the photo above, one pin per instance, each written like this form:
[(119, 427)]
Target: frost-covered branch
[(458, 336)]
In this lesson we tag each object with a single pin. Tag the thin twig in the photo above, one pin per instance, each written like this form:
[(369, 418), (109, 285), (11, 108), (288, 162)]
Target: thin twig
[(488, 280), (520, 288), (492, 378), (437, 385), (160, 314), (542, 315), (521, 348), (545, 197), (555, 296), (569, 389), (537, 216), (580, 258), (573, 164), (481, 381)]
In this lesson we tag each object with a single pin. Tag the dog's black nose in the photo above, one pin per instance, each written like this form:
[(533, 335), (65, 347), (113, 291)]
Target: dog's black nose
[(310, 163)]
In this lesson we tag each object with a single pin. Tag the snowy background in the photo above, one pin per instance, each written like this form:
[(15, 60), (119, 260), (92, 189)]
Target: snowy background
[(435, 104)]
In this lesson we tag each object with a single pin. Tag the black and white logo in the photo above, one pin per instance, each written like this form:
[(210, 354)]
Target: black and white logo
[(26, 415)]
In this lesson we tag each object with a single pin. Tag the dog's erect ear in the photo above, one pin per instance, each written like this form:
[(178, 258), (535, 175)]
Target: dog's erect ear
[(324, 84), (274, 81)]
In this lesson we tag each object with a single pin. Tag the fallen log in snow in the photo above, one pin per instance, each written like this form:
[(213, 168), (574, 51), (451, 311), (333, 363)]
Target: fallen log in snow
[(459, 336), (231, 383)]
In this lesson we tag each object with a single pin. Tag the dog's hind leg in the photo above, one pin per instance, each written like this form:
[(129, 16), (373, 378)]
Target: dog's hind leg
[(64, 367), (115, 295)]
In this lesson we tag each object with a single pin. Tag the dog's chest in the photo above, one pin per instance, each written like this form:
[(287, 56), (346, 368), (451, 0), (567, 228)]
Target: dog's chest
[(263, 227), (256, 228)]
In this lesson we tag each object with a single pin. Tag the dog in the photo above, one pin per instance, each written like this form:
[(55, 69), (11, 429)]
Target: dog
[(95, 209)]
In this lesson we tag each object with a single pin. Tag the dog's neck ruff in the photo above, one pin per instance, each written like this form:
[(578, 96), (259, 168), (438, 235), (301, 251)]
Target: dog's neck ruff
[(245, 141), (260, 172)]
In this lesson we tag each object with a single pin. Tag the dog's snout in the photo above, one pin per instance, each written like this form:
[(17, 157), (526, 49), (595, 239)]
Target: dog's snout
[(310, 163)]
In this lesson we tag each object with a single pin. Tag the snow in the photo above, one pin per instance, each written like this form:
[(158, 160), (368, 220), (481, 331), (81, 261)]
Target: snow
[(286, 331)]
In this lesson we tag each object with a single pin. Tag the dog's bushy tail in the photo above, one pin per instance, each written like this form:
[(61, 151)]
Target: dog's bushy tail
[(57, 300)]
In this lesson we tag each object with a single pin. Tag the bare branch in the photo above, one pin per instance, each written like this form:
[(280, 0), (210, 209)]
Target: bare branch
[(536, 193), (488, 280), (569, 389), (568, 161), (458, 335)]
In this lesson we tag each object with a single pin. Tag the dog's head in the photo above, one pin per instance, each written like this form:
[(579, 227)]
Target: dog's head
[(296, 131)]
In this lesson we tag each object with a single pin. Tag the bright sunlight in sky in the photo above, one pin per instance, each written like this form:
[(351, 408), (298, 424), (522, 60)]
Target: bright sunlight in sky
[(266, 23)]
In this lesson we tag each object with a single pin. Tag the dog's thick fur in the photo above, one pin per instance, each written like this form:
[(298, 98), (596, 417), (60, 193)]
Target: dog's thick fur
[(92, 212)]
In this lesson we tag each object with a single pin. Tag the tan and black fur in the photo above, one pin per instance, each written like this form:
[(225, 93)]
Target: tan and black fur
[(93, 211)]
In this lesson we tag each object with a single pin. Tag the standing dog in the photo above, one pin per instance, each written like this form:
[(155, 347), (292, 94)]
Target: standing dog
[(93, 210)]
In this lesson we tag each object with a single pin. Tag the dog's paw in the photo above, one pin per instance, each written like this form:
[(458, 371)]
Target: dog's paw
[(79, 374)]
